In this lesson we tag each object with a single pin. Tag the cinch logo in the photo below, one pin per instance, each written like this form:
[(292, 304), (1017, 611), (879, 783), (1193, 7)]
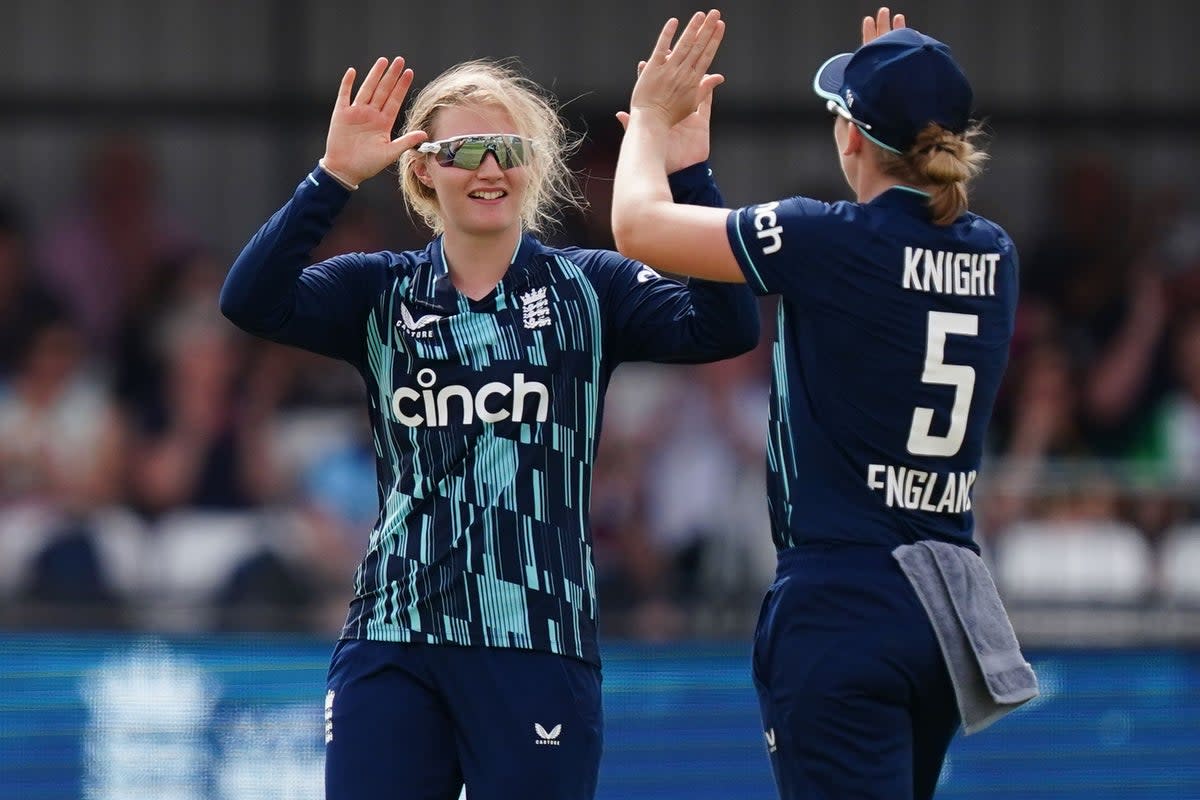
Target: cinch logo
[(433, 407), (769, 735), (767, 225), (548, 738)]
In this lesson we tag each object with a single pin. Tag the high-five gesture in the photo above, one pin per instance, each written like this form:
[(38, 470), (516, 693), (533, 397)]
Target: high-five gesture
[(689, 138), (676, 79), (360, 144)]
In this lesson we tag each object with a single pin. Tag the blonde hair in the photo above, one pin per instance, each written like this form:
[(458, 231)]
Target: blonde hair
[(534, 113), (942, 163)]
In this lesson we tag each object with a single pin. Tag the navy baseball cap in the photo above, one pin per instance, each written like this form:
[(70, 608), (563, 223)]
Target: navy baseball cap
[(894, 86)]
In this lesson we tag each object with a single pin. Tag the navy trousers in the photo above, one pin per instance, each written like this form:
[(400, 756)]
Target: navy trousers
[(856, 700), (417, 721)]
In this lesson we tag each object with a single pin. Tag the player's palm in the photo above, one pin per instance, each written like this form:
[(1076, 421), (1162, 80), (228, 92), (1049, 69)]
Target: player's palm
[(689, 138), (688, 141), (359, 143)]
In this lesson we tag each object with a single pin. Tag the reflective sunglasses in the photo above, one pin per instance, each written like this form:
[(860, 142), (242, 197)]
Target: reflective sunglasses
[(468, 152), (837, 108)]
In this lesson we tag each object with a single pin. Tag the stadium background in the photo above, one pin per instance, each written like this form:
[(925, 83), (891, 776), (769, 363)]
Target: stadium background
[(180, 508)]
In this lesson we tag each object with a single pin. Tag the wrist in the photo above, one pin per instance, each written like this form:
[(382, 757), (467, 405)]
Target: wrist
[(338, 176), (651, 117)]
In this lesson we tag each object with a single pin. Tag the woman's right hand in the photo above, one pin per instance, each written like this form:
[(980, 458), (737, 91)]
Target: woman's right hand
[(688, 141), (359, 144)]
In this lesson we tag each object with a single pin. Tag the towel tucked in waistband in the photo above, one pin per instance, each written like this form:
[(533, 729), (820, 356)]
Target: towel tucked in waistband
[(991, 677)]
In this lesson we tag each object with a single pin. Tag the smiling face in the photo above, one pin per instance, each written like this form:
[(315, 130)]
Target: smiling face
[(482, 202)]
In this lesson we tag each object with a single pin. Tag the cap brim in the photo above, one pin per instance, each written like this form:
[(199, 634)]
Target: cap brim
[(827, 83)]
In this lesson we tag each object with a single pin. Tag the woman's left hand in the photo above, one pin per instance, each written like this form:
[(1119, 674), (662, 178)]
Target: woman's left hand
[(676, 79)]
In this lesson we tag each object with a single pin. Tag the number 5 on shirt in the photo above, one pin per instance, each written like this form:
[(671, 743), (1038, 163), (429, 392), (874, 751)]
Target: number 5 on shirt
[(962, 377)]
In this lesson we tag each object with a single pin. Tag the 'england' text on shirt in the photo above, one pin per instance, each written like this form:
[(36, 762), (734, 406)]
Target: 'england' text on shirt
[(945, 272), (918, 490)]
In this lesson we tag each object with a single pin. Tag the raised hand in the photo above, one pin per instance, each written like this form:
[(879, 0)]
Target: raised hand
[(883, 22), (688, 141), (676, 79), (359, 143)]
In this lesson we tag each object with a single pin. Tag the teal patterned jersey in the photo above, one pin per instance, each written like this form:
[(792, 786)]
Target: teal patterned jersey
[(485, 413)]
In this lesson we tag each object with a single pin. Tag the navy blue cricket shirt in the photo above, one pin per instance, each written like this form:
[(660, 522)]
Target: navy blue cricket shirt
[(485, 413), (893, 337)]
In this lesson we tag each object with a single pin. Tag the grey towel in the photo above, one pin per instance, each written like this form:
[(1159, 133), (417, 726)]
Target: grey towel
[(991, 677)]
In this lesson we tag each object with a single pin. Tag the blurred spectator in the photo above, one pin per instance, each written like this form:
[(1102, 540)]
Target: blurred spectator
[(24, 302), (267, 592), (1090, 275), (60, 435), (1172, 441), (1046, 423), (1179, 261), (200, 440), (1078, 264), (189, 279), (1043, 427), (60, 454), (103, 256), (633, 578), (338, 493), (706, 481)]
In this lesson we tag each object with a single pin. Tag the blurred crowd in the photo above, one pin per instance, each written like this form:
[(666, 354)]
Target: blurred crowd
[(157, 467)]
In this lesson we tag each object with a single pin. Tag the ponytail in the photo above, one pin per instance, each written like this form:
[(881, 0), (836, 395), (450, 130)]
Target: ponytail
[(941, 163)]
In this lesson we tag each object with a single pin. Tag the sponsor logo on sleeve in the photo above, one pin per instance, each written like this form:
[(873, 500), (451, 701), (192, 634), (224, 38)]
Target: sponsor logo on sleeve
[(768, 227)]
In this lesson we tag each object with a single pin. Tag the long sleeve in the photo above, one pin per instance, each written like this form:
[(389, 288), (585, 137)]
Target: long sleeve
[(659, 319), (272, 290)]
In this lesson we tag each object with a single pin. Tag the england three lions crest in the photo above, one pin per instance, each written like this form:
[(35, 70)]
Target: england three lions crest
[(535, 309)]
